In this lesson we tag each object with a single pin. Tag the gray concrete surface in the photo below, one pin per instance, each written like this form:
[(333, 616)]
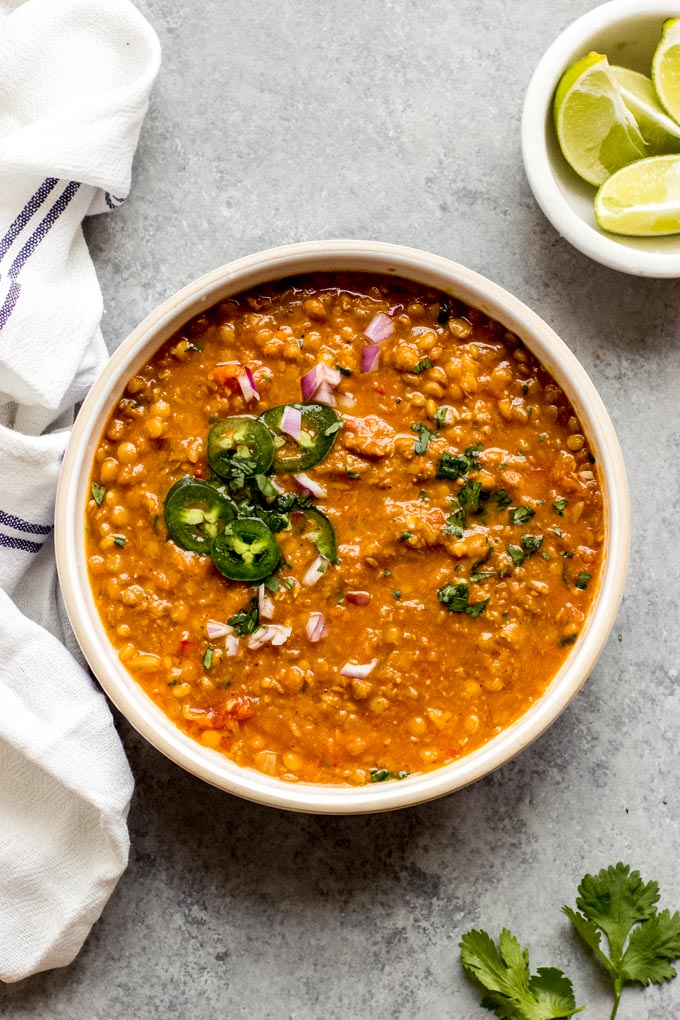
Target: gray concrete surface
[(398, 120)]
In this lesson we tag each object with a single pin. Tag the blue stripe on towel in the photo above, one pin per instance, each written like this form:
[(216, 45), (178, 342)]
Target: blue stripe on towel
[(10, 521), (24, 216), (10, 301), (10, 542), (43, 228)]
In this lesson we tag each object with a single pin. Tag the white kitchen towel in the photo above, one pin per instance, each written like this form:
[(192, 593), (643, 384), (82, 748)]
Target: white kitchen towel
[(75, 77)]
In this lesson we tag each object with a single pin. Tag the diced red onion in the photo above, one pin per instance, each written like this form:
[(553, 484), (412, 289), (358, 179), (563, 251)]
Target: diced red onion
[(316, 569), (247, 384), (232, 644), (321, 377), (358, 670), (216, 630), (370, 358), (310, 485), (379, 328), (358, 598), (291, 421), (265, 604), (316, 627), (325, 395), (271, 632)]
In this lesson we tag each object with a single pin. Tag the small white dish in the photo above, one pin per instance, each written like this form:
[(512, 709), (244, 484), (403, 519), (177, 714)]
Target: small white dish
[(335, 256), (628, 32)]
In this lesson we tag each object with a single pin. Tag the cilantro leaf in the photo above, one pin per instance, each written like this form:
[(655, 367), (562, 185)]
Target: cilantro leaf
[(502, 499), (521, 514), (246, 621), (617, 903), (98, 493), (583, 579), (515, 554), (504, 972), (208, 657), (441, 416), (424, 437), (559, 506), (652, 947), (422, 366), (531, 543), (469, 495), (380, 775), (456, 598), (454, 466)]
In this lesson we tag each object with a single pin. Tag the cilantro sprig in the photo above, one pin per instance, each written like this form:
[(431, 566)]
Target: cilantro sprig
[(641, 945), (642, 942), (513, 992)]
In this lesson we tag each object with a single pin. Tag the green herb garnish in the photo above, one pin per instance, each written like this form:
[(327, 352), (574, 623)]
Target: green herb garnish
[(405, 535), (454, 466), (567, 639), (271, 583), (521, 514), (343, 371), (119, 540), (208, 657), (246, 621), (397, 594), (531, 543), (440, 417), (380, 775), (515, 554), (98, 493), (422, 366), (582, 580), (424, 437), (559, 506), (456, 598), (502, 499)]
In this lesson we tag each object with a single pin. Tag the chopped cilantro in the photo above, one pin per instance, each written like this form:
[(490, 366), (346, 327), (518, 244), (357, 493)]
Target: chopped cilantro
[(387, 573), (515, 554), (119, 540), (456, 598), (271, 583), (543, 436), (567, 639), (194, 349), (502, 499), (397, 594), (546, 556), (558, 532), (405, 535), (521, 514), (525, 389), (421, 443), (424, 496), (531, 543), (289, 583), (481, 575), (246, 621), (343, 371), (422, 366), (98, 493), (582, 580), (454, 466), (352, 474), (380, 775), (469, 495), (440, 417), (568, 553), (502, 466), (559, 505), (208, 657), (456, 522)]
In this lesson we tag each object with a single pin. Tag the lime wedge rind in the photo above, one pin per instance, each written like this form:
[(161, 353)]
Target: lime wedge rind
[(597, 132), (642, 199), (660, 132), (666, 68)]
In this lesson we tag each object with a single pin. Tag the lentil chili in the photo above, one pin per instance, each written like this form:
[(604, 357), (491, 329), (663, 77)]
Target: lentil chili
[(403, 502)]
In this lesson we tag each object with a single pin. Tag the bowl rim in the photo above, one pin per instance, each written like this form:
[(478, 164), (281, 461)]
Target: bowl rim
[(537, 165), (335, 255)]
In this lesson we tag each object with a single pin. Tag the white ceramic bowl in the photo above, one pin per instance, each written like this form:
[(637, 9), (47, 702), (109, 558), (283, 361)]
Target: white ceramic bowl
[(72, 496), (628, 32)]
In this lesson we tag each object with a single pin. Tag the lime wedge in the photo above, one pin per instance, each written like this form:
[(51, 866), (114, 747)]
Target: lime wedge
[(661, 134), (596, 130), (666, 68), (642, 200)]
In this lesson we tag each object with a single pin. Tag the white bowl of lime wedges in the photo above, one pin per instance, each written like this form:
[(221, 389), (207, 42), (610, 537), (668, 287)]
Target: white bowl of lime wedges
[(614, 118)]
